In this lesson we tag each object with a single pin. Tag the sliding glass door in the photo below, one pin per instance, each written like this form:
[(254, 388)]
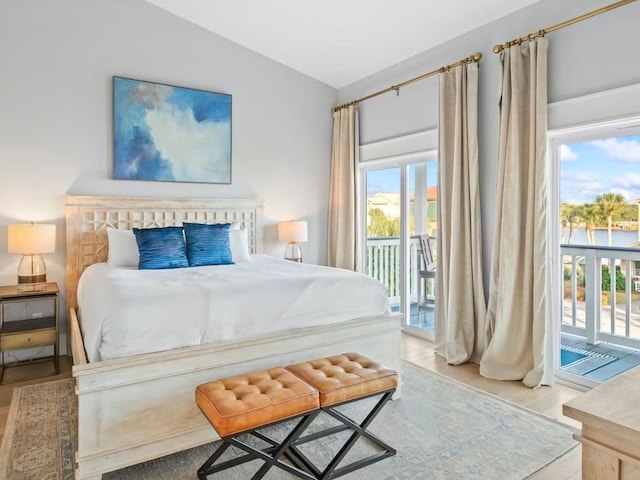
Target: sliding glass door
[(423, 222), (399, 204), (382, 242), (596, 248)]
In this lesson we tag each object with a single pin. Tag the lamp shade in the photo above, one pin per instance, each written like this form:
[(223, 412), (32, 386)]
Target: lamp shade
[(29, 239), (293, 231)]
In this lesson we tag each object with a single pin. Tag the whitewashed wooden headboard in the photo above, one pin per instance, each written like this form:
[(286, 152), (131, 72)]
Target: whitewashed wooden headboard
[(87, 220)]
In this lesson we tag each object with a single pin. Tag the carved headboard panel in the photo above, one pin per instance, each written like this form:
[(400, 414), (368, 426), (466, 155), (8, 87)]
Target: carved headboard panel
[(87, 220)]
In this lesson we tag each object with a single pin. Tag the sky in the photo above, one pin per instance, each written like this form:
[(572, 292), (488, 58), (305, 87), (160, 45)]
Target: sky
[(388, 180), (589, 169)]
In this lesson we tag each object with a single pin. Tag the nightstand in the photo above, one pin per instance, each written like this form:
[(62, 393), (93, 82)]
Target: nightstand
[(28, 332)]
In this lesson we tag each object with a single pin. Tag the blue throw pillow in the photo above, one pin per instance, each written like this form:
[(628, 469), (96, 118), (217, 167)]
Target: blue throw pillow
[(208, 244), (161, 248)]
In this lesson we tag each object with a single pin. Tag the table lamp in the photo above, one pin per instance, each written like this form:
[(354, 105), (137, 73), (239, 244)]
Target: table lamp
[(31, 240), (292, 232)]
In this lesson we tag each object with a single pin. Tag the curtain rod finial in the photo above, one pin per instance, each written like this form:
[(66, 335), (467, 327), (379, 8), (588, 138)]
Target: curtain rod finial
[(497, 49), (477, 56)]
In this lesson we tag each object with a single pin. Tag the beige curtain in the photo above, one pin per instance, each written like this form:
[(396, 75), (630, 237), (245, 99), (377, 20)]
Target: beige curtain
[(516, 308), (460, 302), (342, 195)]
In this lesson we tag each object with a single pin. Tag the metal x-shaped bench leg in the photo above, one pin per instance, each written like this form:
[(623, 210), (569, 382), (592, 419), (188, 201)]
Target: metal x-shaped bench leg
[(359, 430), (270, 455)]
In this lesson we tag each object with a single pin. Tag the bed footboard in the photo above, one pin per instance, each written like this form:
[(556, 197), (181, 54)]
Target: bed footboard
[(134, 409), (77, 345)]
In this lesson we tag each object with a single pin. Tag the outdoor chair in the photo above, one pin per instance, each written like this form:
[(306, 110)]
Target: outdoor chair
[(426, 271)]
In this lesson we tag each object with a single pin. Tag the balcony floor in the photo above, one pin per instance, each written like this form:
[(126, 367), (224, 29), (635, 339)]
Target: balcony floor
[(598, 362), (423, 318)]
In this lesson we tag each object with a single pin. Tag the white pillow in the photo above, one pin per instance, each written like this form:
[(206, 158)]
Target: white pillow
[(123, 248), (239, 243)]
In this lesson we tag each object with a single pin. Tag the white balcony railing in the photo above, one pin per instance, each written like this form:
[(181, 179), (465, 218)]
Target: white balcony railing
[(610, 314), (383, 264)]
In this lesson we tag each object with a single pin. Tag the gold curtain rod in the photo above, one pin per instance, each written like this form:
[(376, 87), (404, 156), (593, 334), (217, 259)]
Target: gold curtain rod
[(472, 58), (541, 33)]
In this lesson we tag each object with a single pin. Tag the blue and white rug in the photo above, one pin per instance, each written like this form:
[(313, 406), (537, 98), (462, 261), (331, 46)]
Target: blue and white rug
[(442, 429)]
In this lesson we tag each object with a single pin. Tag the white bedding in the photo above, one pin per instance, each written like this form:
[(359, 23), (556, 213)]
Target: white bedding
[(126, 311)]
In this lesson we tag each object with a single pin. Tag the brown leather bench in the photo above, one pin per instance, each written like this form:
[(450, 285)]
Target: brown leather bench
[(244, 404), (339, 380)]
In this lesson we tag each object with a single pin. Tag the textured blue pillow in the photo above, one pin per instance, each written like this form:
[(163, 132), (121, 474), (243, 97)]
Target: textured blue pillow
[(161, 248), (208, 244)]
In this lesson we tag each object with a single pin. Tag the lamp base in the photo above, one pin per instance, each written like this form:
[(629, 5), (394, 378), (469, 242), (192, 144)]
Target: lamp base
[(32, 274), (32, 287), (293, 252)]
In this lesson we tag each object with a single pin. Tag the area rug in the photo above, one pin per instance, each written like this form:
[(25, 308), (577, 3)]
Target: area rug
[(441, 429), (41, 433)]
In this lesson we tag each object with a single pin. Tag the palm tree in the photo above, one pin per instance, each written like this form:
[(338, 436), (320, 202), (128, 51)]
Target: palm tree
[(569, 215), (591, 215), (610, 203), (564, 218)]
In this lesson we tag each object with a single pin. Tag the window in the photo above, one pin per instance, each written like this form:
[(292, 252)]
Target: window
[(596, 212)]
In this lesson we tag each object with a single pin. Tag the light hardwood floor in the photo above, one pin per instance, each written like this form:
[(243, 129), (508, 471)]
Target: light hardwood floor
[(545, 400)]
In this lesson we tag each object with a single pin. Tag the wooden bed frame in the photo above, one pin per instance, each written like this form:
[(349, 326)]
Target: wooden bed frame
[(137, 408)]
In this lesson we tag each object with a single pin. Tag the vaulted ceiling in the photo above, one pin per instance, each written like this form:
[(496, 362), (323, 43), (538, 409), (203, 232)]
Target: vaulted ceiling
[(340, 41)]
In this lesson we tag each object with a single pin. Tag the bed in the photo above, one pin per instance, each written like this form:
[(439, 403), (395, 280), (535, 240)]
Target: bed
[(134, 408)]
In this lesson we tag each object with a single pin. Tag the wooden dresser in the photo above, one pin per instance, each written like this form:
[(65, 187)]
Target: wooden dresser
[(610, 437)]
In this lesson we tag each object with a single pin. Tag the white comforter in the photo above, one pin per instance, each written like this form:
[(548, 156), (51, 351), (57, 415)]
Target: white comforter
[(127, 311)]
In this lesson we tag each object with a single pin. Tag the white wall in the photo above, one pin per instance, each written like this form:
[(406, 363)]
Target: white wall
[(57, 59), (595, 55)]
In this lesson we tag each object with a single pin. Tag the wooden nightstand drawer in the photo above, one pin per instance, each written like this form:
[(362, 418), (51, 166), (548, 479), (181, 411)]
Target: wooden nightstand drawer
[(28, 339), (25, 333)]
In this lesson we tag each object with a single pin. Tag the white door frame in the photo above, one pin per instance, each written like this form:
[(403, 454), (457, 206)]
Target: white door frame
[(398, 152), (604, 114)]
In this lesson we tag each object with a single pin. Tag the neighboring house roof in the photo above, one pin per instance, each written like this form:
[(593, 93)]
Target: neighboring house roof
[(389, 203), (384, 199), (432, 194), (387, 197)]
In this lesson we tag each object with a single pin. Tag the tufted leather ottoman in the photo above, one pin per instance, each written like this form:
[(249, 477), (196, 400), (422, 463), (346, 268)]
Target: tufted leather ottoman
[(242, 404), (345, 377), (339, 380)]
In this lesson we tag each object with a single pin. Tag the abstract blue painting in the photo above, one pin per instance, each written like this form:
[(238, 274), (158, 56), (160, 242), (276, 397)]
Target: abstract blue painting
[(168, 133)]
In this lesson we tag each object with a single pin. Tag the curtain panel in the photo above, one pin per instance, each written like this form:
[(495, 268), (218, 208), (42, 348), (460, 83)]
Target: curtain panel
[(343, 241), (460, 303), (516, 310)]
